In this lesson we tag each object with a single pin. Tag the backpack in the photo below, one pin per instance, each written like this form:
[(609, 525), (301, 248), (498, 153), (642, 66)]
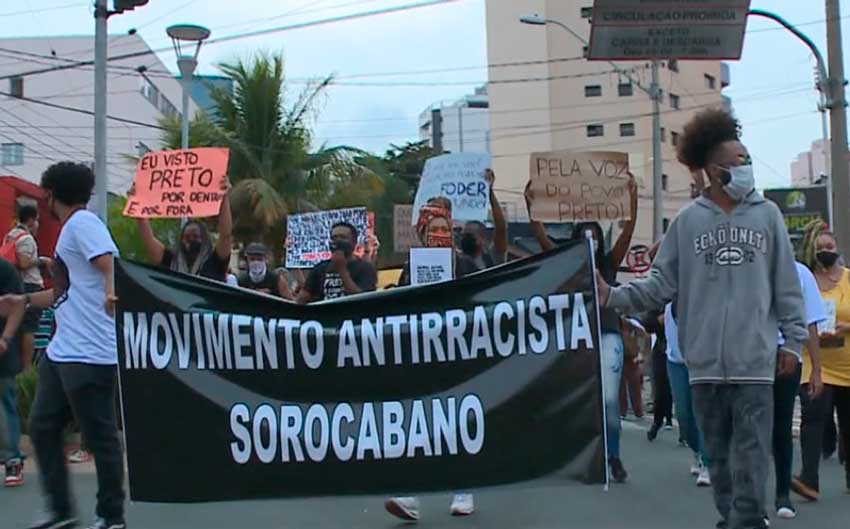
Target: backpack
[(9, 250)]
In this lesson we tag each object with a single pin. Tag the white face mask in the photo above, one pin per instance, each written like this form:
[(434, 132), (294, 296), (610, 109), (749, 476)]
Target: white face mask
[(742, 182), (256, 270)]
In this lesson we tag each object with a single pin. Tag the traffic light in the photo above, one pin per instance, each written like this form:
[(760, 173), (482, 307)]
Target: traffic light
[(119, 6)]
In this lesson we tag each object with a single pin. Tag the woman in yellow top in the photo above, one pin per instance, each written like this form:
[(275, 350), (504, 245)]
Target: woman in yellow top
[(820, 254)]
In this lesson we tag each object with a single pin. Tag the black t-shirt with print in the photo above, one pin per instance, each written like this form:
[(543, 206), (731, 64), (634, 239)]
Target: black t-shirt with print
[(268, 281), (327, 284), (213, 268)]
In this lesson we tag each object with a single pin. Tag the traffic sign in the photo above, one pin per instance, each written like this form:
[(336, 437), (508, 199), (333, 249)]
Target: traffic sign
[(667, 29)]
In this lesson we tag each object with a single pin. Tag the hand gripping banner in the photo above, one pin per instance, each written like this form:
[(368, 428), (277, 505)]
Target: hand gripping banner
[(486, 380)]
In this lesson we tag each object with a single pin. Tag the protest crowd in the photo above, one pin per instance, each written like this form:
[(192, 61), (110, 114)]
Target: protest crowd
[(731, 326)]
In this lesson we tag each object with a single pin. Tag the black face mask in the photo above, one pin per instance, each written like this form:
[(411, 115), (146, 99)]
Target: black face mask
[(341, 245), (469, 244), (827, 259), (193, 248)]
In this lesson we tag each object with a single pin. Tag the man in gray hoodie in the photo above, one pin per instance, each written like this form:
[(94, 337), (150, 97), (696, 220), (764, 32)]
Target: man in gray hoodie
[(728, 262)]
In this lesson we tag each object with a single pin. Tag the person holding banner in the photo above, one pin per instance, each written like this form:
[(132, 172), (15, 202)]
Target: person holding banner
[(344, 274), (77, 377), (258, 276), (728, 263), (195, 253), (612, 346), (476, 252)]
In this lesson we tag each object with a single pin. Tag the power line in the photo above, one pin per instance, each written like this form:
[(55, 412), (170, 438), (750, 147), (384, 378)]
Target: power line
[(42, 10)]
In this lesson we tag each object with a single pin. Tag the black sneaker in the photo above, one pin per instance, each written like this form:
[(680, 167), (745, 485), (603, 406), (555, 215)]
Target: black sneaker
[(618, 473), (102, 523), (56, 522), (653, 432)]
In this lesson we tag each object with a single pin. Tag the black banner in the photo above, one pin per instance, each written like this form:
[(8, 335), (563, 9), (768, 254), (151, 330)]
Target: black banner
[(800, 206), (490, 379)]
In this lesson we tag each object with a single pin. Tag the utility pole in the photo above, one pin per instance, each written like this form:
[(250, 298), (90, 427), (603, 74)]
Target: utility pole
[(101, 15), (657, 180), (838, 127)]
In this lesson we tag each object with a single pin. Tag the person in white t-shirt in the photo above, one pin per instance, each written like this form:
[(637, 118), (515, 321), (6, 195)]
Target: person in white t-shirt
[(79, 369)]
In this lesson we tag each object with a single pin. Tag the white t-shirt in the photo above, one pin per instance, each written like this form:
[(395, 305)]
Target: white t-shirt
[(84, 331), (671, 332), (815, 308)]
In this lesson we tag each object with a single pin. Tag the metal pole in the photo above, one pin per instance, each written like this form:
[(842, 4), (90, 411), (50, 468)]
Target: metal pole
[(826, 165), (184, 137), (657, 191), (840, 175), (460, 128), (100, 108)]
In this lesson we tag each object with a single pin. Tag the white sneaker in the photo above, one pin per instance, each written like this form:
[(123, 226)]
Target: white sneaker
[(406, 508), (703, 479), (696, 466), (462, 505), (786, 513)]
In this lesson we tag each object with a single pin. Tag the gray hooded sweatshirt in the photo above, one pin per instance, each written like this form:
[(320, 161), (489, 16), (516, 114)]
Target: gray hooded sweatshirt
[(735, 281)]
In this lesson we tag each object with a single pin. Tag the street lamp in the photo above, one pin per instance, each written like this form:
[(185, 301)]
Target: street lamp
[(655, 95), (187, 35)]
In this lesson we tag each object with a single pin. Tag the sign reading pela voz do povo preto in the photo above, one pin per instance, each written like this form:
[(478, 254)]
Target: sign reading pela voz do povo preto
[(667, 29)]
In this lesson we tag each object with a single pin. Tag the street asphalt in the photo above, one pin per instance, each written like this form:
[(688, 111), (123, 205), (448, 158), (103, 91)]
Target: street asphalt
[(660, 494)]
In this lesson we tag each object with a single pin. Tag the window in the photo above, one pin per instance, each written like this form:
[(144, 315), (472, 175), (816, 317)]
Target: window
[(674, 138), (710, 82), (625, 89), (674, 101), (664, 181), (167, 108), (595, 131), (16, 86), (665, 223), (663, 134), (12, 153), (593, 90), (673, 65), (586, 12), (627, 129)]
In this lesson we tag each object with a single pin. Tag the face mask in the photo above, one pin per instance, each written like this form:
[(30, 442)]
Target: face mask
[(257, 270), (827, 259), (341, 245), (741, 182), (468, 244), (193, 248), (439, 240)]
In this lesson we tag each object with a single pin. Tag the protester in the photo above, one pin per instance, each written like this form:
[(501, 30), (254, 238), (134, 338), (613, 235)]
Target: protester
[(677, 372), (476, 252), (728, 261), (10, 366), (344, 274), (195, 253), (662, 401), (434, 230), (635, 344), (820, 253), (79, 370), (611, 347), (259, 277), (785, 390), (373, 246), (28, 263)]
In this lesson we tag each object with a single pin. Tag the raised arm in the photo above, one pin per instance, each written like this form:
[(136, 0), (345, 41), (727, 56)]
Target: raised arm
[(537, 227), (624, 241), (225, 225), (500, 231)]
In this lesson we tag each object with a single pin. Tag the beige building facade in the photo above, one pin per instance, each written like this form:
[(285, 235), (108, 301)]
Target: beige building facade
[(545, 96)]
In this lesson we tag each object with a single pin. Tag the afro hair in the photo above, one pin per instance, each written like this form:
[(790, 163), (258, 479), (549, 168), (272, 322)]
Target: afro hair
[(703, 134)]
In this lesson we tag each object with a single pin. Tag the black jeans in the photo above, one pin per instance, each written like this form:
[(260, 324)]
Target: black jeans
[(663, 399), (815, 413), (87, 391), (785, 390)]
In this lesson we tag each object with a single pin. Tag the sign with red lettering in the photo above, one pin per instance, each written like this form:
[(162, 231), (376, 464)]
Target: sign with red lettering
[(176, 184), (579, 186), (638, 259)]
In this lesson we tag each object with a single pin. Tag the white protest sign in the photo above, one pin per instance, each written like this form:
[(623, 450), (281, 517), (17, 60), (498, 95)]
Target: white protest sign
[(430, 265), (460, 177), (308, 235)]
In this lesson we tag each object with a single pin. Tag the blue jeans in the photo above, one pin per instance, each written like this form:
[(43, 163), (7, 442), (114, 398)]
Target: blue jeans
[(679, 383), (13, 421), (612, 373)]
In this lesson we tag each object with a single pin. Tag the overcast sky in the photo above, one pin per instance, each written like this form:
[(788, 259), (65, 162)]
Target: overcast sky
[(443, 37)]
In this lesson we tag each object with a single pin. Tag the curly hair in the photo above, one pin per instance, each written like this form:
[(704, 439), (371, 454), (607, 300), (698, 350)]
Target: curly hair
[(809, 247), (71, 183), (703, 133)]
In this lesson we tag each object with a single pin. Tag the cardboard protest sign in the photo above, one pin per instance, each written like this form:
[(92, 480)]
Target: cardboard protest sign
[(461, 178), (308, 234), (174, 184), (430, 265), (579, 186), (404, 233)]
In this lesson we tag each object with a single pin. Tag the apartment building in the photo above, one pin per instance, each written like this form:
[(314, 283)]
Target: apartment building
[(458, 126), (544, 95)]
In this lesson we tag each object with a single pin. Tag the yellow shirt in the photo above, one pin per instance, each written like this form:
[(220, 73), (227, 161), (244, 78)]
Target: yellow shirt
[(835, 361)]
